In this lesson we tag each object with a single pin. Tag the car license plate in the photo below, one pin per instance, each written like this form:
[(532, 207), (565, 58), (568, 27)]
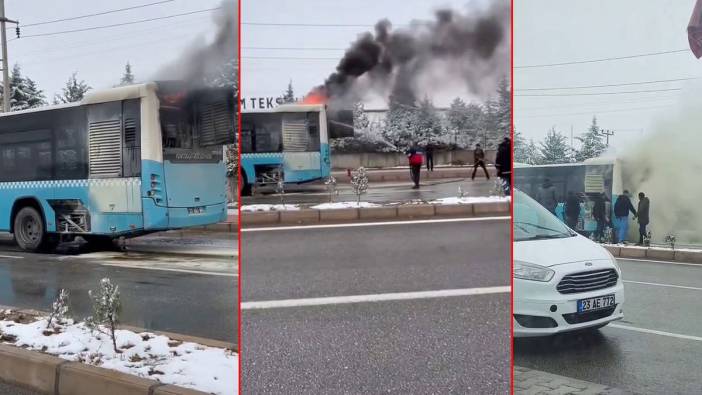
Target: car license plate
[(196, 210), (598, 303)]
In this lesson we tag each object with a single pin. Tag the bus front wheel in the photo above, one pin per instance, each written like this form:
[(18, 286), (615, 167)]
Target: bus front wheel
[(29, 230)]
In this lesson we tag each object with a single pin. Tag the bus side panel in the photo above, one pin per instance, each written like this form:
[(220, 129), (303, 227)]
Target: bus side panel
[(250, 161), (200, 186), (302, 166), (325, 160), (41, 191), (155, 213)]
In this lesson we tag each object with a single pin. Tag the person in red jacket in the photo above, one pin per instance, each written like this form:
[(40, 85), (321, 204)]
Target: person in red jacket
[(415, 163)]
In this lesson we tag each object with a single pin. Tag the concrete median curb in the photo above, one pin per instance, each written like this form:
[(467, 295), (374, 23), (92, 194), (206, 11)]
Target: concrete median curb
[(409, 211), (656, 254), (50, 374)]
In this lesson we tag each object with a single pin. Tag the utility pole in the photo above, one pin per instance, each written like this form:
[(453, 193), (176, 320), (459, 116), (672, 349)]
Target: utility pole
[(5, 72), (607, 133)]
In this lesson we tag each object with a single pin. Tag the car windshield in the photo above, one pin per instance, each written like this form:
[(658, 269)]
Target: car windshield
[(533, 222)]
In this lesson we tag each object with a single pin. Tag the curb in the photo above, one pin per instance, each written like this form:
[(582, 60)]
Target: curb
[(50, 374), (656, 254), (314, 216)]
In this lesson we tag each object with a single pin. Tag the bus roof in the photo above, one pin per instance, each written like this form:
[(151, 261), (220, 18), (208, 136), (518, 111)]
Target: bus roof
[(291, 107), (100, 96), (587, 162)]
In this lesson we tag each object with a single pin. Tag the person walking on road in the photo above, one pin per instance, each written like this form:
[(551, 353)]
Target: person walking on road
[(644, 205), (503, 163), (429, 152), (600, 215), (415, 163), (479, 161), (621, 213), (547, 196), (572, 210)]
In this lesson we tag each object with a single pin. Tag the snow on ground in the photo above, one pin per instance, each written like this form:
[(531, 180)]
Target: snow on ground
[(232, 211), (146, 355), (469, 200), (269, 207), (338, 205)]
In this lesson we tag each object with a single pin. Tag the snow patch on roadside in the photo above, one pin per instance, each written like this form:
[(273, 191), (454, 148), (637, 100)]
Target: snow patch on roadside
[(338, 205), (471, 200), (155, 357), (269, 207)]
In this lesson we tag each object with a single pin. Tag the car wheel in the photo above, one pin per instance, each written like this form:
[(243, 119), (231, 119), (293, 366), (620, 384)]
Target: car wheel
[(29, 231)]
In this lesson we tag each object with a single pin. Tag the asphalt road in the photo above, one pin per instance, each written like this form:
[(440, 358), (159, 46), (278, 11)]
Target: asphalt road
[(660, 297), (378, 192), (193, 295), (380, 343), (7, 389)]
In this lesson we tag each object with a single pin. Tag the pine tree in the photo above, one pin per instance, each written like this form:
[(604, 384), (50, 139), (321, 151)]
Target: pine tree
[(289, 95), (73, 92), (504, 108), (457, 116), (400, 125), (128, 76), (428, 124), (360, 119), (532, 154), (520, 146), (555, 149), (24, 92), (592, 144)]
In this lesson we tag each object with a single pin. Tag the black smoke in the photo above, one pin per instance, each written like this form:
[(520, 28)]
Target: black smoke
[(469, 47)]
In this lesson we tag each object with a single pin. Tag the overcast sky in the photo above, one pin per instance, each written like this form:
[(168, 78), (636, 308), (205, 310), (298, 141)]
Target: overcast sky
[(555, 31), (99, 56), (270, 77)]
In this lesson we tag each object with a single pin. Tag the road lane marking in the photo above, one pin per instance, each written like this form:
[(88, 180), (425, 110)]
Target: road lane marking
[(655, 332), (11, 256), (165, 269), (663, 285), (362, 224), (660, 261), (334, 300)]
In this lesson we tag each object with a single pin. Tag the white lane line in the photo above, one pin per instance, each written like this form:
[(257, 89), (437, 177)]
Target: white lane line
[(165, 269), (655, 332), (333, 300), (664, 285), (660, 261), (11, 256), (362, 224)]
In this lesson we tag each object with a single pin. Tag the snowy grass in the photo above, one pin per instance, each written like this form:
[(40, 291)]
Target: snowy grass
[(269, 207), (470, 200), (339, 205), (155, 357)]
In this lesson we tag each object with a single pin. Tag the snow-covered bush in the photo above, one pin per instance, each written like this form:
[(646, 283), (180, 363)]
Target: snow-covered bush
[(106, 308), (331, 188), (60, 309), (670, 240), (359, 182)]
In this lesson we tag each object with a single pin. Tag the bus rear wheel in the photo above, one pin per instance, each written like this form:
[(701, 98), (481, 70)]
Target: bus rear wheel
[(30, 234)]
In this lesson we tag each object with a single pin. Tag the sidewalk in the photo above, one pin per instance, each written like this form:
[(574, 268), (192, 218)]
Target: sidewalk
[(397, 174), (533, 382)]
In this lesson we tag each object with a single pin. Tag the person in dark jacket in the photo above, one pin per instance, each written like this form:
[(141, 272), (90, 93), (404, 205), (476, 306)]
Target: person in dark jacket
[(572, 210), (644, 205), (503, 163), (621, 213), (479, 161), (429, 153), (547, 196), (600, 215)]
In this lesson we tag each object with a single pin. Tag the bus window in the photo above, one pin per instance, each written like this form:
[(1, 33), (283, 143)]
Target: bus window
[(313, 144), (131, 160), (261, 133), (177, 131)]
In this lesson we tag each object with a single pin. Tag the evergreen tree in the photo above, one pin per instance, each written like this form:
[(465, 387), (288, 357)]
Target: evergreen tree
[(592, 144), (503, 116), (532, 154), (24, 92), (360, 119), (428, 124), (555, 149), (520, 146), (457, 116), (289, 95), (399, 125), (128, 76), (73, 92)]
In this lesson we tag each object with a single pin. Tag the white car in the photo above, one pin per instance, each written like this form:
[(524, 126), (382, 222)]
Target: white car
[(562, 280)]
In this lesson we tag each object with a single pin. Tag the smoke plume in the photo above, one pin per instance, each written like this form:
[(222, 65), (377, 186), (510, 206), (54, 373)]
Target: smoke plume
[(666, 167), (203, 61), (470, 49)]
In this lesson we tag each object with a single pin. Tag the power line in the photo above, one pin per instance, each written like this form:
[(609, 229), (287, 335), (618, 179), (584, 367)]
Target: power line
[(607, 85), (599, 93), (121, 24), (593, 112), (601, 59), (96, 14)]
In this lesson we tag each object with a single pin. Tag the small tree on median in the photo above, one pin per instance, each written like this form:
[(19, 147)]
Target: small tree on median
[(59, 309), (359, 183), (106, 308)]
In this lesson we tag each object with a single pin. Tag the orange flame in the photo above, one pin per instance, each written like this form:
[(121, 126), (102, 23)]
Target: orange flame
[(315, 97)]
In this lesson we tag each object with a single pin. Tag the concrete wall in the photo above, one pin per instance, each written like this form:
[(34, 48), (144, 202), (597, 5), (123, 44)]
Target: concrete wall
[(394, 159)]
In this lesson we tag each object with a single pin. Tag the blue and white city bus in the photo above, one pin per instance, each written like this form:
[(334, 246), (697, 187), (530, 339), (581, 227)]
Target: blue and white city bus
[(290, 142), (122, 162)]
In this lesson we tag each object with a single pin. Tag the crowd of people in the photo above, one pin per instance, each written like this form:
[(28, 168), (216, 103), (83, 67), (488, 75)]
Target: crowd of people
[(617, 219)]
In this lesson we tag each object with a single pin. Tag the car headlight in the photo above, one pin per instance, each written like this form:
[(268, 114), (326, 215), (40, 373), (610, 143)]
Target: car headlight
[(530, 271), (614, 262)]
